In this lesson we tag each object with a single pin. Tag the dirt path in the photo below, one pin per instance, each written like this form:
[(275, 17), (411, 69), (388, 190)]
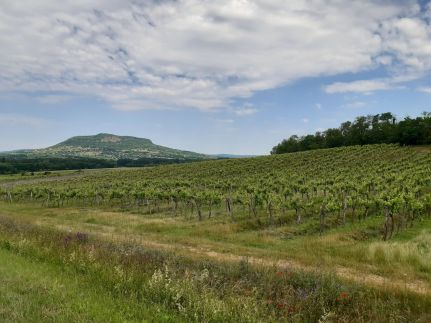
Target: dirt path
[(350, 274)]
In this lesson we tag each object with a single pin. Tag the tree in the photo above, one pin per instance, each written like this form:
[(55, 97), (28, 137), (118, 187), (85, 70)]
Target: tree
[(371, 129)]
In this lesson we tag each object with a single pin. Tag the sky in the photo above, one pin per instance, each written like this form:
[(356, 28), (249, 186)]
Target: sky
[(226, 76)]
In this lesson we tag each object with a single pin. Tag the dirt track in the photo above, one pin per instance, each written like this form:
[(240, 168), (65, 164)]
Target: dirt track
[(372, 280), (349, 274)]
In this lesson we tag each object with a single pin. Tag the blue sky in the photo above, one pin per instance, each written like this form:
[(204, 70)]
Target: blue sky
[(233, 77)]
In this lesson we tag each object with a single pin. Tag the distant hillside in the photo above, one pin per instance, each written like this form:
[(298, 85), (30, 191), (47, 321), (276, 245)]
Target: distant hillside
[(111, 147)]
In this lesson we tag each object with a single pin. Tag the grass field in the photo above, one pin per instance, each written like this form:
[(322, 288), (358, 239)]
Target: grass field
[(81, 261), (38, 291)]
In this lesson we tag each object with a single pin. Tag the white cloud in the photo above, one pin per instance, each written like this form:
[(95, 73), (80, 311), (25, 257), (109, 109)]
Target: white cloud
[(425, 89), (246, 110), (305, 120), (361, 86), (409, 41), (148, 54)]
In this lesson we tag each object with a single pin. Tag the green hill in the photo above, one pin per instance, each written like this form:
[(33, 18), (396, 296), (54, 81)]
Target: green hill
[(108, 146)]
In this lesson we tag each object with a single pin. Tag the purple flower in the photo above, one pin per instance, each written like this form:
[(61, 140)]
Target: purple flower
[(67, 239), (81, 237)]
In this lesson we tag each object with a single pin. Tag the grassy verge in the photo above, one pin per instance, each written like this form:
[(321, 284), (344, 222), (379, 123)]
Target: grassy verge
[(57, 273), (40, 291), (356, 246)]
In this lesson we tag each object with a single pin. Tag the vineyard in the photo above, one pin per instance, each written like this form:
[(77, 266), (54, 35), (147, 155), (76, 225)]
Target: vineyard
[(331, 235), (332, 187)]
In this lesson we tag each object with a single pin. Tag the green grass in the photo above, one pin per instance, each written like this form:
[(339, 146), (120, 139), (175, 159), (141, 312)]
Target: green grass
[(48, 275), (33, 291), (352, 246)]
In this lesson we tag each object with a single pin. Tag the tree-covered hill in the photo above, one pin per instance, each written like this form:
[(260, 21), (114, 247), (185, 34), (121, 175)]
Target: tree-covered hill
[(99, 151), (111, 147)]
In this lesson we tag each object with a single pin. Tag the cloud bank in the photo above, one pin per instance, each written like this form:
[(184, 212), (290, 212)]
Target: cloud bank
[(166, 54)]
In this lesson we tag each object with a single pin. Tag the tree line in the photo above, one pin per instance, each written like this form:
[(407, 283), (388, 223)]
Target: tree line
[(371, 129), (16, 165)]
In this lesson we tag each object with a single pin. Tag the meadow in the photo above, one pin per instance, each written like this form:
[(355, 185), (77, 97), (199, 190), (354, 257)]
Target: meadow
[(331, 235)]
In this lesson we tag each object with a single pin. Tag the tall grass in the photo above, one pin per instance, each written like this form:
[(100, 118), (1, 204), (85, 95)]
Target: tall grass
[(414, 254)]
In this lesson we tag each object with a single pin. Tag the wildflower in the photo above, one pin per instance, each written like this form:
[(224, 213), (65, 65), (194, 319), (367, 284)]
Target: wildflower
[(156, 278), (81, 237), (119, 271), (279, 274), (344, 295), (66, 240), (302, 293), (291, 309), (280, 306), (248, 291), (204, 274)]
